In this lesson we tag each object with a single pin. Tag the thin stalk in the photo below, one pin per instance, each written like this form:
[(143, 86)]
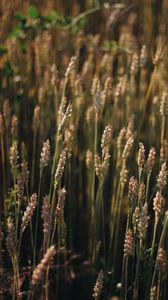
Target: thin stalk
[(114, 222), (93, 214), (31, 228), (4, 175), (154, 236), (93, 174), (33, 160), (163, 129), (161, 242), (147, 188), (158, 286), (126, 279), (37, 217), (118, 217)]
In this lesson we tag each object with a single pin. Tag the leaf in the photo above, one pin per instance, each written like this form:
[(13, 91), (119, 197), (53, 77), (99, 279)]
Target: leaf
[(16, 31), (20, 17), (33, 12), (53, 17), (3, 50), (7, 68)]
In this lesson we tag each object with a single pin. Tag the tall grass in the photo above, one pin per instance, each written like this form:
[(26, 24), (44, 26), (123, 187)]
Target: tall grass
[(83, 151)]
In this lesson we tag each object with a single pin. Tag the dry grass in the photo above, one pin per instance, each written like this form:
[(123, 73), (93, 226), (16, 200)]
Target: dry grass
[(83, 150)]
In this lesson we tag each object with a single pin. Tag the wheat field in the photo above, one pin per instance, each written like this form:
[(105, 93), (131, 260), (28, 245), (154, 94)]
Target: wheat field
[(84, 150)]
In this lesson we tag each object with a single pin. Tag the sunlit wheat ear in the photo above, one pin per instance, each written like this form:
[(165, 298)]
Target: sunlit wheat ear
[(45, 155), (161, 259), (11, 238), (141, 159), (162, 177), (40, 269), (153, 293), (29, 212), (127, 148), (130, 128), (71, 66), (46, 216), (135, 219), (164, 151), (133, 191), (123, 175), (158, 205), (164, 105), (158, 55), (13, 157), (69, 138), (60, 168), (106, 139), (98, 286), (143, 56), (59, 211), (22, 180), (95, 85), (150, 161), (142, 190), (120, 143), (64, 122), (128, 243), (134, 64), (143, 223)]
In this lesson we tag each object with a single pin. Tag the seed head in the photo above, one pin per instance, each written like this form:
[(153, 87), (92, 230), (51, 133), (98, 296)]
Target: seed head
[(127, 148), (128, 244), (46, 215), (153, 292), (134, 64), (133, 190), (142, 193), (45, 155), (158, 204), (71, 66), (143, 56), (164, 151), (98, 286), (64, 122), (121, 139), (13, 156), (141, 158), (135, 218), (143, 222), (123, 175), (162, 177), (61, 203), (60, 168), (150, 161), (161, 259), (38, 273), (164, 105), (106, 138), (29, 212)]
